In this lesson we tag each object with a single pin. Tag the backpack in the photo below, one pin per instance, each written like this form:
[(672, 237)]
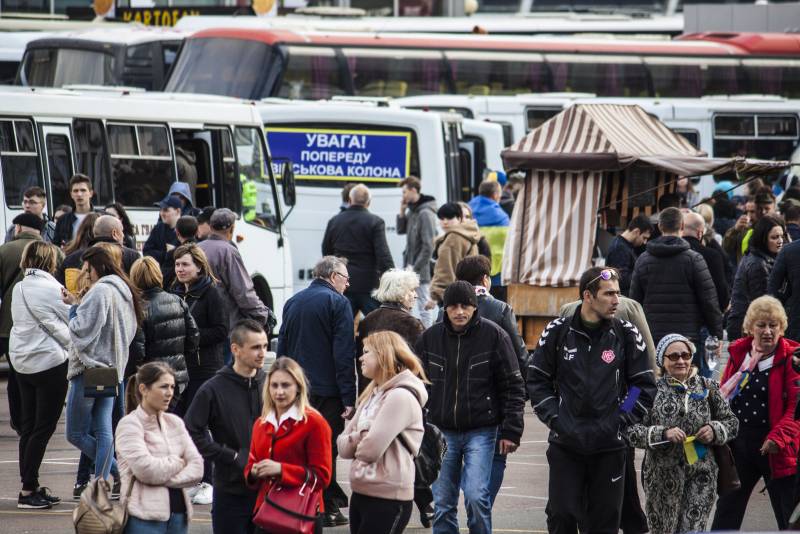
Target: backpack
[(428, 462)]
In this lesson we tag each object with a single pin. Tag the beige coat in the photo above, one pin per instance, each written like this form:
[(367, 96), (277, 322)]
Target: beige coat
[(453, 246), (160, 454), (382, 466)]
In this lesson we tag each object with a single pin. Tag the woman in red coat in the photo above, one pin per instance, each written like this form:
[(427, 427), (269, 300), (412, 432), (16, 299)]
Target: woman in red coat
[(290, 439), (761, 387)]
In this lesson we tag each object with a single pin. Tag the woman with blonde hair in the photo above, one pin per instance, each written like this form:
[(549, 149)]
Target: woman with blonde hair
[(291, 441), (38, 350), (157, 456), (168, 332), (761, 387), (384, 435)]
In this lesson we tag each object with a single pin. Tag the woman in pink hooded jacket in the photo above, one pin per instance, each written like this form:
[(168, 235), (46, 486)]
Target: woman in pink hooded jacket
[(156, 455), (379, 439)]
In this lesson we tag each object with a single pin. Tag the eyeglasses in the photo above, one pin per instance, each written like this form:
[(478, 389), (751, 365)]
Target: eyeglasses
[(346, 278), (675, 356), (605, 275)]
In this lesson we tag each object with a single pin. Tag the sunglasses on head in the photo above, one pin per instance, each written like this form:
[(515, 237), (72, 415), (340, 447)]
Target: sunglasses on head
[(675, 356), (605, 275)]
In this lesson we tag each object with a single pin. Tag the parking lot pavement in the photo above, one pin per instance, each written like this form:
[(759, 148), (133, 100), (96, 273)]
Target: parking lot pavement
[(519, 507)]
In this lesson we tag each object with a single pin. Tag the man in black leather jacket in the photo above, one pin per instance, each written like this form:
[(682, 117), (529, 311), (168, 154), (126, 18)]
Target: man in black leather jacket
[(476, 393), (589, 378)]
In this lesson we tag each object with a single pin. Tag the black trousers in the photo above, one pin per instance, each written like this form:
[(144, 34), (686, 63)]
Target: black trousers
[(232, 513), (12, 388), (371, 515), (331, 409), (752, 467), (42, 395), (585, 490), (363, 302), (633, 519)]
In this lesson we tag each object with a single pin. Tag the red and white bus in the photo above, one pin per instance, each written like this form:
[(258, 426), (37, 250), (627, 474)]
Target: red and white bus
[(252, 63)]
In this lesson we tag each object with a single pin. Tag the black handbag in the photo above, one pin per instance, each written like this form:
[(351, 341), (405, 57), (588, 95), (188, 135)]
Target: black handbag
[(99, 382)]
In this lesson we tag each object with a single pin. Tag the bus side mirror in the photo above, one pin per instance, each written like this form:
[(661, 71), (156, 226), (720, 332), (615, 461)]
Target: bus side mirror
[(288, 185)]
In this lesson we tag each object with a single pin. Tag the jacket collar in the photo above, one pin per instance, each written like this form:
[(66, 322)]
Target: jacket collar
[(324, 283), (577, 323), (28, 236), (393, 306), (292, 413), (476, 317), (146, 418), (739, 349)]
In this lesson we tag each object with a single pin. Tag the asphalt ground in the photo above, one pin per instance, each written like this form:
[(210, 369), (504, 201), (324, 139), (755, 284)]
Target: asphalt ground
[(519, 507)]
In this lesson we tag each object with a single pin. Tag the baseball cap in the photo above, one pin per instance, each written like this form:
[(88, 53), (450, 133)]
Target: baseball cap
[(222, 219), (171, 202)]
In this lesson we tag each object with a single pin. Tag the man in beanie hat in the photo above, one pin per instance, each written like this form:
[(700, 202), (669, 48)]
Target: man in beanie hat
[(476, 392), (27, 228), (588, 379)]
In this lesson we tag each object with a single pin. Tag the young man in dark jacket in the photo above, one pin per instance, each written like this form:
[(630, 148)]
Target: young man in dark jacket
[(476, 393), (81, 193), (622, 252), (673, 285), (227, 405), (317, 332), (589, 377), (359, 236)]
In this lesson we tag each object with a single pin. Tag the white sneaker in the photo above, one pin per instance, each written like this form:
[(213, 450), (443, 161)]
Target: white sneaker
[(204, 494), (191, 492)]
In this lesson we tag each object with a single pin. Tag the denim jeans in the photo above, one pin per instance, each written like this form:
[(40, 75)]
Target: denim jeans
[(467, 464), (176, 524), (89, 427)]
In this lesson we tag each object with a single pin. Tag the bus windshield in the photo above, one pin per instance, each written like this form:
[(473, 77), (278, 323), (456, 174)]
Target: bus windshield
[(231, 67), (52, 67)]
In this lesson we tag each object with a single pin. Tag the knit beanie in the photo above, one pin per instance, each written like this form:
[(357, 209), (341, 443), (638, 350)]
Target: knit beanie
[(666, 341), (460, 292)]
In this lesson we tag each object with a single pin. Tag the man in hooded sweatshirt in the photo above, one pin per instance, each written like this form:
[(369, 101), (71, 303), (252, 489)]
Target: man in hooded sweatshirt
[(674, 286), (460, 239), (493, 222), (417, 221), (220, 421)]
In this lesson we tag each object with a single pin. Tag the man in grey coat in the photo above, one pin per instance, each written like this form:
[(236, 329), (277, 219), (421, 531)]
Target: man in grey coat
[(241, 300), (417, 221)]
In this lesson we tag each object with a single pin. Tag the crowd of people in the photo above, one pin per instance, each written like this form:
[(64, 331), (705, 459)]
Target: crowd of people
[(416, 373)]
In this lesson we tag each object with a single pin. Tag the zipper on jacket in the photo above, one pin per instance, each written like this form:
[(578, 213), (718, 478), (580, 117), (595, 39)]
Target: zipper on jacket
[(455, 404)]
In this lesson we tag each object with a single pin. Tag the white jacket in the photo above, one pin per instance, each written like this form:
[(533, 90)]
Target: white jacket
[(30, 348)]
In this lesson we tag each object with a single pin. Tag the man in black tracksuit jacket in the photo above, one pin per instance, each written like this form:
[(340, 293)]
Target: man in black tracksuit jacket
[(589, 378), (476, 393), (228, 405)]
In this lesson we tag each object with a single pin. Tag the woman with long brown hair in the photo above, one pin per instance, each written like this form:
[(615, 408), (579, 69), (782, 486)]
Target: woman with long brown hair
[(102, 325), (384, 435)]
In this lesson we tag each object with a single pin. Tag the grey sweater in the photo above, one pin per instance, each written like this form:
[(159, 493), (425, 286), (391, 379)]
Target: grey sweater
[(102, 327)]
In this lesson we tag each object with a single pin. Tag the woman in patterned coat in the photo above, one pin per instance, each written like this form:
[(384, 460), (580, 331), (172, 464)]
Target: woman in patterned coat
[(680, 495)]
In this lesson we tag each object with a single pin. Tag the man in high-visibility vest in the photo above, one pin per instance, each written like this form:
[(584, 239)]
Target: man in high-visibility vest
[(249, 197)]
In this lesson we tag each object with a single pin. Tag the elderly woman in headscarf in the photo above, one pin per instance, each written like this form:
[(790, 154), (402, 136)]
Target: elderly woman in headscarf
[(761, 387), (688, 414)]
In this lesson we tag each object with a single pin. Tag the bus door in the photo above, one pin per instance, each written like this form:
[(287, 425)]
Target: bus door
[(205, 160), (457, 175), (20, 165), (473, 157), (58, 163)]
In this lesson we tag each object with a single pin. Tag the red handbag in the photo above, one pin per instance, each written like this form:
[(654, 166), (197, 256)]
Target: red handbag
[(288, 510)]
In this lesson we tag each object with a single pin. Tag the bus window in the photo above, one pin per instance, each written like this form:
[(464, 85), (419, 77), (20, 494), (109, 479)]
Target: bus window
[(47, 67), (59, 165), (18, 160), (137, 70), (508, 132), (311, 73), (538, 116), (494, 73), (141, 163), (396, 73), (91, 155), (693, 136), (755, 136), (473, 161), (169, 52), (693, 77), (259, 199), (232, 67), (603, 75), (8, 71), (772, 77)]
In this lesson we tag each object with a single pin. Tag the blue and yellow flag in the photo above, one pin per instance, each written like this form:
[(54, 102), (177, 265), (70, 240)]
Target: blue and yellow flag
[(694, 450)]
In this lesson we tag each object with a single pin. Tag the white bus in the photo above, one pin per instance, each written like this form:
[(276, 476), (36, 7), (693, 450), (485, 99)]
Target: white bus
[(333, 143), (756, 126), (127, 143)]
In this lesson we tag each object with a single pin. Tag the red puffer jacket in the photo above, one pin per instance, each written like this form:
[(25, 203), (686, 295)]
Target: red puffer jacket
[(783, 389)]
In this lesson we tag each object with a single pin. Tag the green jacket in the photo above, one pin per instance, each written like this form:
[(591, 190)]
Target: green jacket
[(11, 274)]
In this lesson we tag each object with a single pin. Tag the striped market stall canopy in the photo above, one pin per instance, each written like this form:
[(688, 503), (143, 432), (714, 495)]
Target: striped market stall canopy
[(589, 152)]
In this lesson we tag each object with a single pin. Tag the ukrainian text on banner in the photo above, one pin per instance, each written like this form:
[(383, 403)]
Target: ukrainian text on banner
[(342, 155)]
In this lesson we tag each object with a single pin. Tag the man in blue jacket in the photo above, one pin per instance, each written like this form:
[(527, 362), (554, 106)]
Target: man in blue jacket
[(317, 332), (493, 222)]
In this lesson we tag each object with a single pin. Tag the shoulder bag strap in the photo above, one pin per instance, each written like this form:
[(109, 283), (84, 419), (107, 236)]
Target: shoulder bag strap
[(40, 323), (400, 437)]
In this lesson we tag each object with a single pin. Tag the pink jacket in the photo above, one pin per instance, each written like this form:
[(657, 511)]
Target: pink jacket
[(382, 466), (160, 454)]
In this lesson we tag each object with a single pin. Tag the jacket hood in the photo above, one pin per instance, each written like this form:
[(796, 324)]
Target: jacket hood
[(241, 381), (406, 379), (667, 245), (467, 229), (195, 290), (425, 202), (182, 189), (487, 212), (187, 155), (116, 282)]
